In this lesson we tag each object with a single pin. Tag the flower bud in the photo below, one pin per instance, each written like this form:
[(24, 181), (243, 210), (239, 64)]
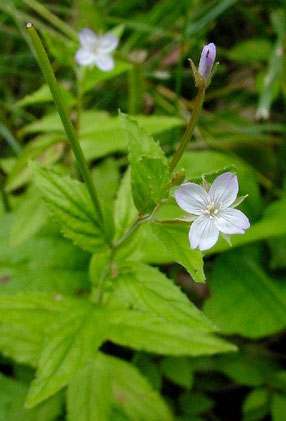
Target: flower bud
[(207, 61)]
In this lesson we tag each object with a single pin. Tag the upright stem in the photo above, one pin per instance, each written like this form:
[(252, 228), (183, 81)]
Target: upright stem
[(5, 200), (190, 128), (47, 70)]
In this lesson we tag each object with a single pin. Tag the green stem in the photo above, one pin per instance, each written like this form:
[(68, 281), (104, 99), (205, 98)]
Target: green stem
[(53, 19), (190, 128), (5, 200), (47, 70), (10, 139)]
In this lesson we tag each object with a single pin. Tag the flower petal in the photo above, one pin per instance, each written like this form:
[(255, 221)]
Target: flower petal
[(104, 62), (203, 233), (108, 43), (192, 198), (223, 190), (231, 221), (84, 57), (87, 38)]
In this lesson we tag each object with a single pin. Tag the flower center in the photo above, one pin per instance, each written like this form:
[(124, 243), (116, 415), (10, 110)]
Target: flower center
[(211, 210)]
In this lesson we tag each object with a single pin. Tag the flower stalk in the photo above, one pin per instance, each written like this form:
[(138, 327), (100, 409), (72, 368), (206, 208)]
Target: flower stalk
[(47, 70), (190, 128)]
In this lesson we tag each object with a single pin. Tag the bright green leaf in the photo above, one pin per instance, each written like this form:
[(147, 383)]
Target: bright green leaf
[(240, 291), (149, 166), (133, 395), (175, 239), (147, 289), (146, 332), (70, 204), (89, 392), (72, 340)]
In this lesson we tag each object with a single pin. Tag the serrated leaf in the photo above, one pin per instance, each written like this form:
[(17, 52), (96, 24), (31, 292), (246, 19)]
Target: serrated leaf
[(133, 395), (149, 166), (147, 289), (73, 339), (89, 392), (47, 262), (146, 332), (175, 239), (70, 204), (25, 320), (125, 212)]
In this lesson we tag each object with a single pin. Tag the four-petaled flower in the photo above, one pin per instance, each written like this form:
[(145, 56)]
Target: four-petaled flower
[(212, 210), (96, 50)]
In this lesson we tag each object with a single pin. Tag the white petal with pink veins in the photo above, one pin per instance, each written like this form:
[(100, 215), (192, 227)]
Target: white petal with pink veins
[(224, 190), (231, 221), (203, 233), (192, 198)]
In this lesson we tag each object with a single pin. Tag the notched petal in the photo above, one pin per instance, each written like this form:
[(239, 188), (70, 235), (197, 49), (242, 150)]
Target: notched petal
[(224, 190), (203, 233), (192, 198)]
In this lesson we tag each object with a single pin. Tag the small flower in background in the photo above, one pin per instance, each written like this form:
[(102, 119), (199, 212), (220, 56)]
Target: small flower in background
[(212, 210), (207, 60), (96, 50)]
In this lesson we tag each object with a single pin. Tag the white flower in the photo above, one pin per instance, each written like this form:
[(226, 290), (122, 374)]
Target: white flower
[(96, 50), (212, 210)]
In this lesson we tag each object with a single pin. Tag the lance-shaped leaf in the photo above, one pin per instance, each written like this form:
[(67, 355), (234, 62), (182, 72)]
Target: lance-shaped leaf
[(149, 166), (25, 321), (133, 394), (146, 332), (73, 339), (145, 288), (176, 241), (70, 204), (89, 393)]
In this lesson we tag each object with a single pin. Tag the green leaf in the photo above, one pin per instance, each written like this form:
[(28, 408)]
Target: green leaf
[(147, 289), (146, 332), (133, 395), (25, 321), (89, 392), (29, 217), (70, 204), (12, 398), (278, 407), (241, 290), (43, 95), (73, 339), (178, 371), (125, 212), (43, 147), (47, 262), (149, 166), (255, 405), (251, 51), (193, 403), (175, 238)]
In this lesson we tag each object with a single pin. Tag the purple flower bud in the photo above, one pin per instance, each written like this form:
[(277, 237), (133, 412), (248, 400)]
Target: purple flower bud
[(207, 60)]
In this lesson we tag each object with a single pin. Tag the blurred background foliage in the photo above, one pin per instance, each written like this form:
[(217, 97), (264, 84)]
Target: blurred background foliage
[(243, 123)]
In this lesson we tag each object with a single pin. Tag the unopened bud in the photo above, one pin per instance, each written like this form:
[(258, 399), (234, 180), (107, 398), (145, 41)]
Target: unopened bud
[(178, 177), (207, 60)]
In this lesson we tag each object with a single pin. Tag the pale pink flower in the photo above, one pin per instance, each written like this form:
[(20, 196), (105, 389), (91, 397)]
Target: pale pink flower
[(212, 210), (96, 50)]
